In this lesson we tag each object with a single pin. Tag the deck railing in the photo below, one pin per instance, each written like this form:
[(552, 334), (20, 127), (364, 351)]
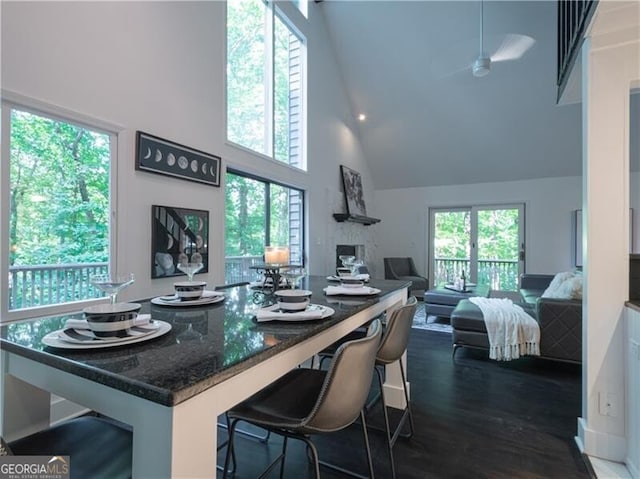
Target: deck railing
[(498, 274), (41, 285), (236, 269)]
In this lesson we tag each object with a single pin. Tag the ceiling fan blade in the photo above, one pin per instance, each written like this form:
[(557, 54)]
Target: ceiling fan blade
[(512, 47), (451, 73), (450, 62)]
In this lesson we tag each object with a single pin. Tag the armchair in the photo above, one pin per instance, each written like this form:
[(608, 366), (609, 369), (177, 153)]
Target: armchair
[(405, 269)]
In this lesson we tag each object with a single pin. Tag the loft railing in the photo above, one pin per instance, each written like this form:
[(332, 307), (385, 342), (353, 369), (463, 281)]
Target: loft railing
[(573, 18), (498, 274)]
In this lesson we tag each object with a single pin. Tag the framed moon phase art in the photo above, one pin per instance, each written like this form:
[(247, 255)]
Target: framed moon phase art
[(164, 157), (178, 235)]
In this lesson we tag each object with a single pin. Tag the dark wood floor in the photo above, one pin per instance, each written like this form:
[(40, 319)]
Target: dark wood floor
[(474, 418)]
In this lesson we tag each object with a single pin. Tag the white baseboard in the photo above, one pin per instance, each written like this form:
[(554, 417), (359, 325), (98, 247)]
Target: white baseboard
[(600, 444)]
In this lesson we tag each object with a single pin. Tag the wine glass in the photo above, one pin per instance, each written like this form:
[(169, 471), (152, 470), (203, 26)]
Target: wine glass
[(112, 284), (190, 269), (293, 275), (347, 260), (189, 318), (355, 266), (189, 334)]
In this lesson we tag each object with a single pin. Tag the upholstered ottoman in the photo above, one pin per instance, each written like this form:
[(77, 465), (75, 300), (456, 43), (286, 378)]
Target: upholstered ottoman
[(442, 301), (468, 326)]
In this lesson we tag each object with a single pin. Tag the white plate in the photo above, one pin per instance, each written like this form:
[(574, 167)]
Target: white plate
[(84, 336), (337, 278), (209, 297), (54, 341), (326, 312), (364, 291)]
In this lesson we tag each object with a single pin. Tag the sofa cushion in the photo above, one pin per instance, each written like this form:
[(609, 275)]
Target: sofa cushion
[(530, 296)]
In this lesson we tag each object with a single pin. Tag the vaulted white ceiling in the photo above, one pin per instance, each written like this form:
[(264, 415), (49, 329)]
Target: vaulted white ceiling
[(428, 123)]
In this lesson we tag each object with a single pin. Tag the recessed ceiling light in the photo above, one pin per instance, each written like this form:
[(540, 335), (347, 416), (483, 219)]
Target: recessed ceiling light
[(362, 117)]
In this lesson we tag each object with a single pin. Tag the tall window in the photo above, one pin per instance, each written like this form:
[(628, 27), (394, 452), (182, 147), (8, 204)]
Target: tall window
[(260, 213), (58, 209), (265, 87)]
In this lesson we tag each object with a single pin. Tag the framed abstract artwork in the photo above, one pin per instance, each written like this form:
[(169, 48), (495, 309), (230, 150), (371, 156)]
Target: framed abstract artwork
[(164, 157), (178, 235), (353, 191)]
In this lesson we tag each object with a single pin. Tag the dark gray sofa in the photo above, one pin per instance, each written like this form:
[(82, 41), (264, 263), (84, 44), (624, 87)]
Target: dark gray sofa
[(560, 321)]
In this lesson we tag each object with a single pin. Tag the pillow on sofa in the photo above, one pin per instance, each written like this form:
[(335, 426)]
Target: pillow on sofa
[(553, 289), (567, 286), (571, 288)]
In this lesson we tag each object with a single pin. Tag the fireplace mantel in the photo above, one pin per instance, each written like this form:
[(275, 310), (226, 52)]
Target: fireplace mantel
[(365, 220)]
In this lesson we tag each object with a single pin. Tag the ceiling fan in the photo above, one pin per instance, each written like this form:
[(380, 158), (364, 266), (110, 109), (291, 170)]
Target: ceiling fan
[(512, 48)]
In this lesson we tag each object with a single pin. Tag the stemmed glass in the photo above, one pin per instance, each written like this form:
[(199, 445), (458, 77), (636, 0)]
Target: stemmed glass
[(355, 266), (347, 260), (189, 334), (112, 284), (190, 269), (293, 275)]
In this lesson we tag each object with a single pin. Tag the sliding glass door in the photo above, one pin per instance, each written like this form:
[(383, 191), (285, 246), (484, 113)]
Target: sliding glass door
[(486, 242)]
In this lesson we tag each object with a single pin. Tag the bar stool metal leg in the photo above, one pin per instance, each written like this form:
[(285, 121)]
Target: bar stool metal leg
[(387, 428)]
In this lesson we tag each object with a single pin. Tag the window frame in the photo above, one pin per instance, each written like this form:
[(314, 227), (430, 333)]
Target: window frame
[(268, 182), (274, 10), (13, 101)]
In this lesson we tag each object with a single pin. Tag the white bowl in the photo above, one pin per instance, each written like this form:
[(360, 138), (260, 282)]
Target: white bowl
[(189, 290), (300, 306), (293, 299), (351, 282), (109, 320)]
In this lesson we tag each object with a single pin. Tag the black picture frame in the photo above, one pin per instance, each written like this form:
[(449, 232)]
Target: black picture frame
[(176, 232), (164, 157), (353, 191), (577, 236)]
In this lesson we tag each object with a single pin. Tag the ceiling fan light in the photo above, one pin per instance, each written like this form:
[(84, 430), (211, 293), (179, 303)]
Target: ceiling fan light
[(481, 66)]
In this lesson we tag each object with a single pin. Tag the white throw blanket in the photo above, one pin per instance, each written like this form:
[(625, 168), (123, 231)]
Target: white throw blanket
[(512, 332)]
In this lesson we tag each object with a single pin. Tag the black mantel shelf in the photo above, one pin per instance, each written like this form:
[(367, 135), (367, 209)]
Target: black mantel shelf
[(365, 220)]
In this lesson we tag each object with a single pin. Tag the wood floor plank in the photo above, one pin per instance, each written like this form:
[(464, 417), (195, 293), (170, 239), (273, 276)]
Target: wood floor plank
[(474, 418)]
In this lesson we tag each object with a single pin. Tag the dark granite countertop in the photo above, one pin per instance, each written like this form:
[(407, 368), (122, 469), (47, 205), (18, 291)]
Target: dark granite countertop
[(205, 346)]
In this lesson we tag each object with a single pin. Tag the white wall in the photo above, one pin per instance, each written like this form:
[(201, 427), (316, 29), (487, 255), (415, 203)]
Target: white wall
[(549, 205), (159, 67), (610, 69)]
